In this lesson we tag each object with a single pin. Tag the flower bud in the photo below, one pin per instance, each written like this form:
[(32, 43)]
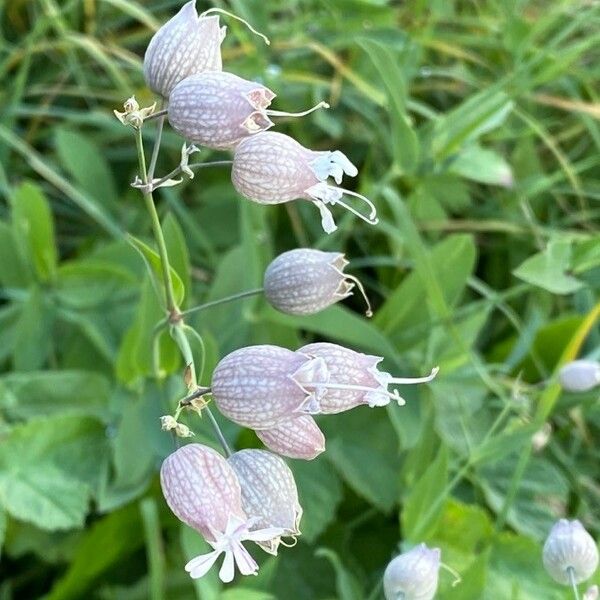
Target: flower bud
[(348, 378), (218, 109), (297, 437), (185, 45), (269, 493), (570, 551), (204, 492), (413, 575), (305, 281), (580, 375), (256, 386), (272, 168)]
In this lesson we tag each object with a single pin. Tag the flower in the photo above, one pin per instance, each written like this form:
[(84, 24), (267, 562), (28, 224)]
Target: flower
[(204, 492), (305, 281), (269, 493), (413, 575), (580, 375), (295, 437), (570, 551), (592, 593), (185, 45), (272, 168)]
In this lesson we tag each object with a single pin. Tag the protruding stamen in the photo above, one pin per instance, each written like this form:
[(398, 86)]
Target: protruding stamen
[(356, 388), (411, 380), (359, 285), (373, 214), (453, 572), (281, 113), (225, 12)]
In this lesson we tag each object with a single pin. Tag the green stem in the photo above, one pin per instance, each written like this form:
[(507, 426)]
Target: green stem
[(177, 170), (156, 229), (154, 548), (231, 298), (156, 149), (571, 573)]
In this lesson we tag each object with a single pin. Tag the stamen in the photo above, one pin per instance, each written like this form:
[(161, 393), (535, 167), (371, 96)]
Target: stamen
[(411, 380), (372, 216), (359, 285), (288, 544), (358, 388), (225, 12), (454, 573), (281, 113)]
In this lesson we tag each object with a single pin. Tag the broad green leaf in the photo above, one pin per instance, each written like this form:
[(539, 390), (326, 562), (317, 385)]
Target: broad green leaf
[(49, 468), (178, 252), (482, 165), (86, 163), (36, 393), (33, 225), (348, 588), (424, 504), (549, 269), (153, 262), (109, 542), (14, 270), (320, 493)]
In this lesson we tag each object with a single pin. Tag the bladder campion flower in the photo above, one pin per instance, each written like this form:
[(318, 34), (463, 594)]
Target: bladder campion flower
[(413, 575), (580, 375), (269, 493), (204, 492), (570, 554), (296, 437), (305, 281), (272, 168)]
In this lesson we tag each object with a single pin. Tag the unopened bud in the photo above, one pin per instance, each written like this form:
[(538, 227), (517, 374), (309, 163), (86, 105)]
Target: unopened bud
[(305, 281), (413, 575), (169, 423), (269, 493), (570, 553), (185, 45), (580, 375), (272, 168)]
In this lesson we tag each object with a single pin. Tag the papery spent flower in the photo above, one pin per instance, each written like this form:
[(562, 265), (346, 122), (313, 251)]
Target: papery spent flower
[(570, 552), (185, 45), (219, 109), (269, 493), (296, 437), (305, 281), (347, 378), (272, 168), (413, 575), (580, 375), (204, 492)]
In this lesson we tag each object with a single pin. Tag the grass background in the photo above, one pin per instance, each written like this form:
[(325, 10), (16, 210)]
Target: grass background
[(475, 128)]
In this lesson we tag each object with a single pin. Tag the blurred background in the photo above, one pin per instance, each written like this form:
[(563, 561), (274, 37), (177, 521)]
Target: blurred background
[(475, 127)]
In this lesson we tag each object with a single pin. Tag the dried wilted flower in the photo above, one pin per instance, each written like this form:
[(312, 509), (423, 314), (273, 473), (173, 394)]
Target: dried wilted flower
[(348, 378), (269, 493), (580, 375), (203, 491), (570, 552), (185, 45), (272, 168), (255, 386), (413, 575), (296, 437), (305, 281)]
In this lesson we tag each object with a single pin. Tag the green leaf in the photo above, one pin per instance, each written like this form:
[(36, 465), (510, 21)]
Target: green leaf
[(49, 468), (424, 504), (320, 493), (240, 593), (348, 588), (549, 269), (14, 271), (86, 163), (178, 252), (482, 165), (34, 229), (153, 263), (3, 523)]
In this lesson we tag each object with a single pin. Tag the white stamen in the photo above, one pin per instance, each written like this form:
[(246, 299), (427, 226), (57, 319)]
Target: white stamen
[(330, 194), (281, 113), (411, 380), (225, 12), (453, 572), (359, 285)]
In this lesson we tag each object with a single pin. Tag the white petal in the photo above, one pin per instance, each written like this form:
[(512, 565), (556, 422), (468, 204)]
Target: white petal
[(264, 535), (227, 570), (245, 563), (200, 565)]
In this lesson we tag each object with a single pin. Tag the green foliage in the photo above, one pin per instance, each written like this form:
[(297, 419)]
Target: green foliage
[(474, 126)]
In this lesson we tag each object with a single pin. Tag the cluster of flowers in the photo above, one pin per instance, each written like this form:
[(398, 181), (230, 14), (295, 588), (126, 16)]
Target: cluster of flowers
[(251, 495)]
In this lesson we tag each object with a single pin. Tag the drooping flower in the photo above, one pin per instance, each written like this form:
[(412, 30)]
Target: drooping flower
[(580, 375), (204, 492), (347, 379), (296, 437), (305, 281), (269, 493), (185, 45), (413, 575), (570, 553), (272, 168)]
